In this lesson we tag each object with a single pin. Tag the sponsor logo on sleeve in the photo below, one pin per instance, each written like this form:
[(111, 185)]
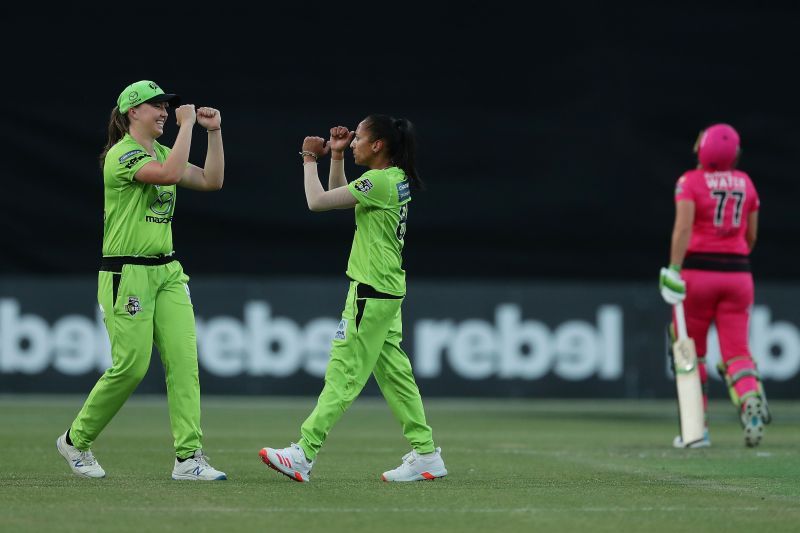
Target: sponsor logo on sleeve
[(363, 185), (128, 155), (134, 159), (403, 191)]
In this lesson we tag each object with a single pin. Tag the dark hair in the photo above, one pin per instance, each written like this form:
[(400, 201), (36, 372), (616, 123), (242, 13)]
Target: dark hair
[(401, 143), (118, 126)]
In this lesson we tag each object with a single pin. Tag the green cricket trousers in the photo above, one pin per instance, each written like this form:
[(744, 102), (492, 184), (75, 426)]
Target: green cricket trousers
[(368, 342), (145, 300)]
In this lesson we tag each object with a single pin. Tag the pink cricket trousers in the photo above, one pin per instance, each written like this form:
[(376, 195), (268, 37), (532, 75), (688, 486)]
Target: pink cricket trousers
[(724, 298)]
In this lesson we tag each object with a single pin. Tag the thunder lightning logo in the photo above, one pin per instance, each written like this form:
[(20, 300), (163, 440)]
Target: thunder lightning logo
[(133, 305), (363, 185)]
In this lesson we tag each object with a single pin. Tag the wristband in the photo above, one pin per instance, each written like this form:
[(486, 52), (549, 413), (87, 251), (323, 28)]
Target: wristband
[(215, 129), (308, 153), (675, 268)]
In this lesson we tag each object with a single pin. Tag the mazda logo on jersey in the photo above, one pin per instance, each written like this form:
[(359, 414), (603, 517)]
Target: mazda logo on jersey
[(162, 205)]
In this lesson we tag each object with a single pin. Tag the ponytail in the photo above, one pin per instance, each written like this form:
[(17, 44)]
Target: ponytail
[(118, 125), (401, 143)]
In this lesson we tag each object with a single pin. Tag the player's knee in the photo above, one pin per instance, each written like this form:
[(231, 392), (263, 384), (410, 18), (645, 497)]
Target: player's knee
[(132, 372), (403, 385)]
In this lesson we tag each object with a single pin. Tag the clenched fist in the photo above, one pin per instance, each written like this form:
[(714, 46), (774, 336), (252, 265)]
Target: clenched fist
[(315, 145), (209, 118), (339, 141), (186, 114)]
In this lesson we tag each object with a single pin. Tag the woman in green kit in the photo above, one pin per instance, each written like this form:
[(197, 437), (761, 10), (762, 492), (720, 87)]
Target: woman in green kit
[(142, 289), (369, 334)]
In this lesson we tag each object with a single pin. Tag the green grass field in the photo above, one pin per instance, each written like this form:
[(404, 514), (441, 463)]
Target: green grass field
[(514, 466)]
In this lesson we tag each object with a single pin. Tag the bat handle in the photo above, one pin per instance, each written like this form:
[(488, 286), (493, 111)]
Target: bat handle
[(680, 321)]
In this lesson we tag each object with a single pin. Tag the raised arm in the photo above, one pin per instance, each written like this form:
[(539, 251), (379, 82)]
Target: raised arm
[(171, 171), (212, 175), (338, 143), (319, 199)]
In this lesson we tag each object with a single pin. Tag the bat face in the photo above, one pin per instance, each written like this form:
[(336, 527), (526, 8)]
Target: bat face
[(685, 356)]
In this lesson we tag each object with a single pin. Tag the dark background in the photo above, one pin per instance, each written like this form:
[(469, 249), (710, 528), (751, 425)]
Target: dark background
[(550, 139)]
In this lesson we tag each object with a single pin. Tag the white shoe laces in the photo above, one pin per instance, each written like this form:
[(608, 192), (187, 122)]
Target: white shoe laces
[(202, 459), (410, 457), (87, 458), (298, 455), (413, 455)]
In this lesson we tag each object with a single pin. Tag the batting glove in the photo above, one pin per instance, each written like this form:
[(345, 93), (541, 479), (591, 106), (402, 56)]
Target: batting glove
[(672, 287)]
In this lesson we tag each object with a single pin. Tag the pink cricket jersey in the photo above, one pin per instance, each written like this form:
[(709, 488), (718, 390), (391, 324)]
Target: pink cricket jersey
[(723, 200)]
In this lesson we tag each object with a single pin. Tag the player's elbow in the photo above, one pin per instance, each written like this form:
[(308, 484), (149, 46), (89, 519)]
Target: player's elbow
[(317, 205), (171, 178), (214, 180), (171, 175), (682, 232), (160, 176)]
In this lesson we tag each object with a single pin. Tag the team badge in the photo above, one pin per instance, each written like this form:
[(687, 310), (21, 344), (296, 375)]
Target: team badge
[(341, 331), (363, 185), (133, 306)]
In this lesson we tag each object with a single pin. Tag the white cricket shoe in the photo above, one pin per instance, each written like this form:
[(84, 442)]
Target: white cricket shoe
[(82, 463), (291, 462), (752, 418), (416, 467), (196, 468), (705, 442)]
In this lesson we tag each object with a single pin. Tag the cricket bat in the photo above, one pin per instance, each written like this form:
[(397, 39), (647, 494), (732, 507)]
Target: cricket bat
[(687, 381)]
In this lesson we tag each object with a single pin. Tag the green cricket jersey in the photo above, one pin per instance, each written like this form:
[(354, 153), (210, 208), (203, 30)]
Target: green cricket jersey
[(138, 216), (381, 213)]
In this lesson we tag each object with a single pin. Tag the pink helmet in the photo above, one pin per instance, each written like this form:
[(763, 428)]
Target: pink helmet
[(718, 147)]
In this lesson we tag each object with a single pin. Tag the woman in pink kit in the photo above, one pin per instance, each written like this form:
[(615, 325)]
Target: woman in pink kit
[(716, 222)]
